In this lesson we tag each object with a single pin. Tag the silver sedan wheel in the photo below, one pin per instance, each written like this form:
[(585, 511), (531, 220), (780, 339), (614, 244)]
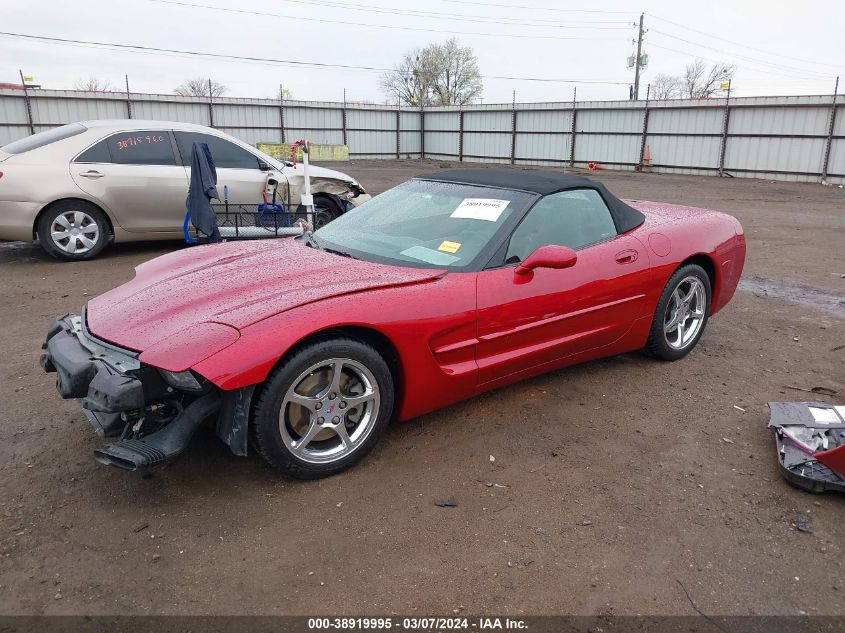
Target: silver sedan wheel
[(329, 410), (685, 313), (75, 232)]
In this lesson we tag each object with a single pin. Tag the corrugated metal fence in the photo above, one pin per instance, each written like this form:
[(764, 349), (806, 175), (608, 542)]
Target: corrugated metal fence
[(788, 138)]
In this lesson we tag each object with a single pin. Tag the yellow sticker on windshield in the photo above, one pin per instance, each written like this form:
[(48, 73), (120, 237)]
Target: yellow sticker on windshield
[(449, 247)]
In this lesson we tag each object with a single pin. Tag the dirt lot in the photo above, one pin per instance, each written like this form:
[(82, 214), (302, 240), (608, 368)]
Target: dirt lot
[(620, 485)]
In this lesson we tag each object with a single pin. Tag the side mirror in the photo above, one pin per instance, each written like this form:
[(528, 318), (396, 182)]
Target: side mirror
[(549, 256), (263, 166)]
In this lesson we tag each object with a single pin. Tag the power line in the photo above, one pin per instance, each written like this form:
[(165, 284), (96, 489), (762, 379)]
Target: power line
[(712, 61), (754, 60), (369, 8), (774, 73), (759, 50), (530, 8), (375, 26), (269, 60)]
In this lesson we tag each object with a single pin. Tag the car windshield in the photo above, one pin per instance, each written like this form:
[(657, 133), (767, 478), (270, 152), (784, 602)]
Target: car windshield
[(424, 224)]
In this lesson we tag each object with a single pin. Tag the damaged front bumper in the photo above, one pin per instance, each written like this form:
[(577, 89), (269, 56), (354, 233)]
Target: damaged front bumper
[(151, 411)]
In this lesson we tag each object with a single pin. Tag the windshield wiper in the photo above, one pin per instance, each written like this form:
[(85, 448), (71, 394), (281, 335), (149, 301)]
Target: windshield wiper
[(341, 253)]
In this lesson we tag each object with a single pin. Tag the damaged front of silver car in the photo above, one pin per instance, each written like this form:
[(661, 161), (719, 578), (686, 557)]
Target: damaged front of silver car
[(334, 192)]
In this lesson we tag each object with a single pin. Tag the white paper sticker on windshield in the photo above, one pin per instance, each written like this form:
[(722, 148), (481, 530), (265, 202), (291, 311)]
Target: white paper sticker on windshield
[(429, 256), (480, 209)]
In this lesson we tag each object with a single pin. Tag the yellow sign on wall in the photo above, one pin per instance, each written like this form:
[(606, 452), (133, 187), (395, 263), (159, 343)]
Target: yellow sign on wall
[(317, 153)]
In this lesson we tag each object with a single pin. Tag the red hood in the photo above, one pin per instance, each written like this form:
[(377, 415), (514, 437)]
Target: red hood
[(236, 284)]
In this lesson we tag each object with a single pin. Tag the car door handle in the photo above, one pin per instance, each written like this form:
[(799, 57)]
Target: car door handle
[(91, 173), (627, 257)]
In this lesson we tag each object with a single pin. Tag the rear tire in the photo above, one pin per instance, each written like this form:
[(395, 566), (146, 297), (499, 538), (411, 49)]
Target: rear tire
[(73, 230), (681, 314), (323, 408)]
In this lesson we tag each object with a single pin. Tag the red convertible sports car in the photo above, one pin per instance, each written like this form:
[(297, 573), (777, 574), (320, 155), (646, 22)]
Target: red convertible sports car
[(444, 287)]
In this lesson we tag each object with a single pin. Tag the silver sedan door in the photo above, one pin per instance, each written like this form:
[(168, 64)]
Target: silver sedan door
[(239, 171), (136, 176)]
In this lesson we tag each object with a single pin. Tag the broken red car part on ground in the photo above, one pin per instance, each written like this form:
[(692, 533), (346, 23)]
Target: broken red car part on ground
[(810, 439)]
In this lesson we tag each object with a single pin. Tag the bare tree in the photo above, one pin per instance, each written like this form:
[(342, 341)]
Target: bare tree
[(457, 80), (410, 80), (440, 74), (698, 82), (665, 87), (93, 84), (199, 87)]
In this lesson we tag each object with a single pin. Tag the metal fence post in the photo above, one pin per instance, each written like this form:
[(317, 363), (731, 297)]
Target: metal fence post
[(826, 162), (343, 123), (398, 125), (724, 145), (210, 105), (461, 136), (28, 105), (513, 129), (422, 132), (572, 131), (282, 112), (128, 99), (645, 127)]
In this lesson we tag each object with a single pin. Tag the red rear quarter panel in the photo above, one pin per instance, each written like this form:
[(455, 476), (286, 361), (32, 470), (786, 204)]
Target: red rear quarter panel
[(675, 233)]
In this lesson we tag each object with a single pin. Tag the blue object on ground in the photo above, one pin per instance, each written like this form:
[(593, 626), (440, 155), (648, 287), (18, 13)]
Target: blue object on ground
[(186, 229)]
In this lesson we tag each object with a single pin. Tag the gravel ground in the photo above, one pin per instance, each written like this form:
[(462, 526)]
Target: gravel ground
[(620, 486)]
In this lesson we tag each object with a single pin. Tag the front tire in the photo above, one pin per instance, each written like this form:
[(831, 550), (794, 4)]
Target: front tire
[(681, 314), (325, 210), (73, 230), (323, 409)]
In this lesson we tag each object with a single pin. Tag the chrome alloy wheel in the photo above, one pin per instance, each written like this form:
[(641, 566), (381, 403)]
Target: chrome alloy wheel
[(75, 232), (685, 313), (329, 410)]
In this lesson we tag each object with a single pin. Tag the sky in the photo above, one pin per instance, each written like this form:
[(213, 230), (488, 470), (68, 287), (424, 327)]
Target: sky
[(778, 47)]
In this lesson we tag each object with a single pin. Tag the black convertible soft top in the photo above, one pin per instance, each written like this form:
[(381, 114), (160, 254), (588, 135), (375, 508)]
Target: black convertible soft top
[(544, 183)]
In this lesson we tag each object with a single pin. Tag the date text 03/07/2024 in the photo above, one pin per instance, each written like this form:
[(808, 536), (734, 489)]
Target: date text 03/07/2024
[(417, 623)]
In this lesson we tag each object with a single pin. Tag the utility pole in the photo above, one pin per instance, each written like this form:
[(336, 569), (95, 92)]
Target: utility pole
[(638, 60)]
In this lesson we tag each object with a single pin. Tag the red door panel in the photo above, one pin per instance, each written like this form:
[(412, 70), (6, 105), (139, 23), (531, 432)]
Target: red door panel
[(525, 322)]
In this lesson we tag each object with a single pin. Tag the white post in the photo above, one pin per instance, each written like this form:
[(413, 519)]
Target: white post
[(307, 199)]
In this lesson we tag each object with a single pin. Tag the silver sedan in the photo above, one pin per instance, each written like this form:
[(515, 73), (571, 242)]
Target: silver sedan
[(78, 187)]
